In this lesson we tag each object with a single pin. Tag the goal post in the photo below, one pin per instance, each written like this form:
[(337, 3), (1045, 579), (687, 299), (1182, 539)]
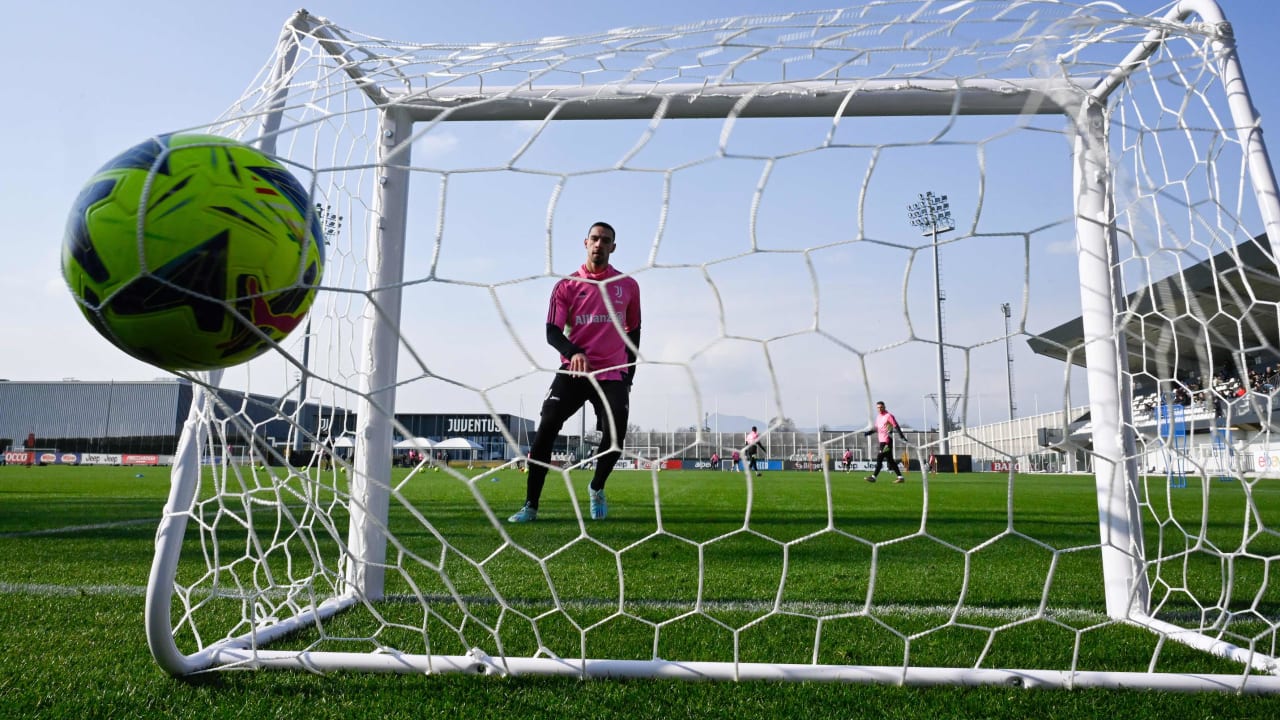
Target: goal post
[(349, 564)]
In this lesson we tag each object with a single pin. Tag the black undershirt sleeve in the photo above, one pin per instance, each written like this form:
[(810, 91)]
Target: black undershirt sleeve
[(558, 340), (634, 336)]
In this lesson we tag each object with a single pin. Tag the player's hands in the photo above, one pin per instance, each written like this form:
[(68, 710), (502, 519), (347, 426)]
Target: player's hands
[(578, 364)]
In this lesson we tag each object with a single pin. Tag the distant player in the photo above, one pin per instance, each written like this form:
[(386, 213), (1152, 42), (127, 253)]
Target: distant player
[(885, 424), (715, 460), (737, 460), (586, 305), (848, 460), (753, 440)]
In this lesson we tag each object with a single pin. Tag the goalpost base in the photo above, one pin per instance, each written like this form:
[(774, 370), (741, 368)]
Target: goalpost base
[(479, 663)]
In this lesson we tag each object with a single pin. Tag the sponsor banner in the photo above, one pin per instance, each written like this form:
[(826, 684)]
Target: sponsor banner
[(19, 458), (69, 458), (140, 460), (1265, 461), (762, 464), (100, 459), (804, 464), (47, 458), (1003, 466), (856, 465), (806, 461), (836, 465), (630, 464), (559, 459)]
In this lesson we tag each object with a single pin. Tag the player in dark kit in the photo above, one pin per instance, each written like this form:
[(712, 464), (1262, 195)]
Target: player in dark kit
[(599, 308)]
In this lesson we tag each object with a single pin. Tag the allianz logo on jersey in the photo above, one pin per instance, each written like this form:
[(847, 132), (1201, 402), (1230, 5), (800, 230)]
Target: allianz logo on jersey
[(466, 425), (591, 318)]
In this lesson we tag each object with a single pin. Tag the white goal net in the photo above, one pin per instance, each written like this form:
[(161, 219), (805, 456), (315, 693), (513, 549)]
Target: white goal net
[(1102, 174)]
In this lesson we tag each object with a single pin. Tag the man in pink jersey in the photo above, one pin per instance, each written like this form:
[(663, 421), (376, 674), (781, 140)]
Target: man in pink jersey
[(885, 424), (753, 443), (594, 321)]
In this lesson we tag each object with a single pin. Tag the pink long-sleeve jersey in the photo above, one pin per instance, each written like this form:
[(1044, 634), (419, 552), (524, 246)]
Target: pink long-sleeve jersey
[(581, 303)]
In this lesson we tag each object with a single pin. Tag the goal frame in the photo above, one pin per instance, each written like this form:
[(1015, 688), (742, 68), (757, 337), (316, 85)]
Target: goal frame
[(1116, 473)]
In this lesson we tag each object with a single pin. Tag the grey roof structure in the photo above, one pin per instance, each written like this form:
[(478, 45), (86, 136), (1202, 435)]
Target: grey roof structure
[(1186, 321), (81, 414), (93, 409)]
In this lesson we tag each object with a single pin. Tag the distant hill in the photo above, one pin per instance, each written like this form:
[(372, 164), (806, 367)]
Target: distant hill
[(732, 423), (741, 424)]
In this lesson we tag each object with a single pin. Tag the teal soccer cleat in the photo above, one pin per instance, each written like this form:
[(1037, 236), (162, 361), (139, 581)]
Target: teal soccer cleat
[(599, 508), (528, 513)]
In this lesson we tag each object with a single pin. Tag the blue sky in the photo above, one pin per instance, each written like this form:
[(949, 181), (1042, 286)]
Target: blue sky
[(93, 78)]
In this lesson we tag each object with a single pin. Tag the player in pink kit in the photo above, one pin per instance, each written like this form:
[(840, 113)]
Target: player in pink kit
[(583, 322), (886, 423), (753, 444)]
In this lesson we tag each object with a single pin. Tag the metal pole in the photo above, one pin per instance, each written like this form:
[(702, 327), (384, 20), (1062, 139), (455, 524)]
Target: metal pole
[(719, 437), (942, 356), (1008, 357), (932, 214), (302, 385), (330, 223)]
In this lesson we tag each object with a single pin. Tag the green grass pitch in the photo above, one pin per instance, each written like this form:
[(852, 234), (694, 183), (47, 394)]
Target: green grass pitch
[(76, 546)]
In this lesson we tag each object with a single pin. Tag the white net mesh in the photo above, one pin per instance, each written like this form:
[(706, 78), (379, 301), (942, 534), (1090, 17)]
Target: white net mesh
[(758, 171)]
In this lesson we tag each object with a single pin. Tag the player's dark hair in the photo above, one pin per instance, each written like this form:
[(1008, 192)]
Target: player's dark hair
[(605, 225)]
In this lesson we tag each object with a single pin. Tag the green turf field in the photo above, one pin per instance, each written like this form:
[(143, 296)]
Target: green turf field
[(76, 547)]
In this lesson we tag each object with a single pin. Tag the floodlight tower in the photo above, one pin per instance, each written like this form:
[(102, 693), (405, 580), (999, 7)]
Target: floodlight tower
[(1008, 357), (330, 224), (932, 214)]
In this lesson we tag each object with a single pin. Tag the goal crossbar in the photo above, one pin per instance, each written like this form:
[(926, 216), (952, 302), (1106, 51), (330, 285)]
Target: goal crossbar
[(906, 97)]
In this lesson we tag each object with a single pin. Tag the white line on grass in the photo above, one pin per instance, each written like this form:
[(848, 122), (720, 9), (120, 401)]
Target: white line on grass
[(813, 609), (46, 590), (806, 608), (78, 528)]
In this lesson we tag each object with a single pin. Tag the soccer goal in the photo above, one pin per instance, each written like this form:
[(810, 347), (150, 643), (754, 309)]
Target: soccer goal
[(1103, 173), (643, 457)]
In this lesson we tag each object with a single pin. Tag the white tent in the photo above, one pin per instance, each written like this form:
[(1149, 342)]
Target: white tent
[(466, 447), (344, 441), (416, 443), (458, 444)]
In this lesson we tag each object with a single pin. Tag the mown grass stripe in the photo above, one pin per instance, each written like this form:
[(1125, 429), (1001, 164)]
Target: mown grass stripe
[(816, 609)]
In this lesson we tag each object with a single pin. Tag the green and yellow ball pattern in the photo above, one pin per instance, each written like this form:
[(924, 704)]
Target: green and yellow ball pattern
[(193, 252)]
